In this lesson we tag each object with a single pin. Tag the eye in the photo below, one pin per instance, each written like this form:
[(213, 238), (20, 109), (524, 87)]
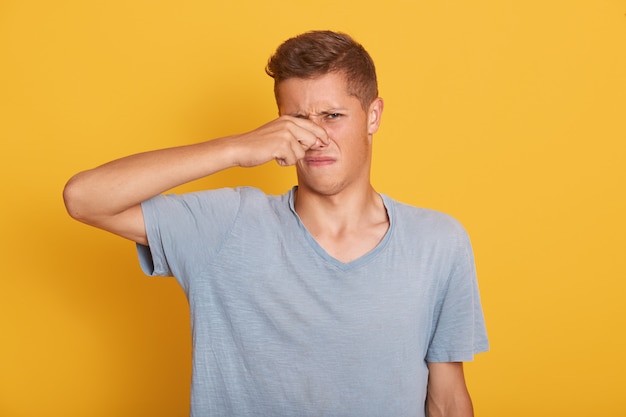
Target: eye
[(332, 116)]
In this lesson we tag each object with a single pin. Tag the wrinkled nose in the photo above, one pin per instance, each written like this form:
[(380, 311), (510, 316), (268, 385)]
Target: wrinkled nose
[(317, 145)]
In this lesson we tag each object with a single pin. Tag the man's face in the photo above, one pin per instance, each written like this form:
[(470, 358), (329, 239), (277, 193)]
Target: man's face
[(345, 162)]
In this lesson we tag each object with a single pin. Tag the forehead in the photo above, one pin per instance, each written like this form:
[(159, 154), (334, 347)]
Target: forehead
[(314, 94)]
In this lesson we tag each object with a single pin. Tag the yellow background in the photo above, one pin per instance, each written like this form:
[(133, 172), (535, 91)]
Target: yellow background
[(509, 115)]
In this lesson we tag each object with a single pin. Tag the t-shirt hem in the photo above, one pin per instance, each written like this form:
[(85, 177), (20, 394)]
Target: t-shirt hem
[(456, 356)]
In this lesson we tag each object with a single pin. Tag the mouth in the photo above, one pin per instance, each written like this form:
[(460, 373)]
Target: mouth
[(319, 160)]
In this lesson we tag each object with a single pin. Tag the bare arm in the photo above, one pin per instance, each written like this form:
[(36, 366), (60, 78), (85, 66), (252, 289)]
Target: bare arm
[(109, 196), (447, 393)]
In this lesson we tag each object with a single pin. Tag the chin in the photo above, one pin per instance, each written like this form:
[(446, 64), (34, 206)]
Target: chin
[(325, 188)]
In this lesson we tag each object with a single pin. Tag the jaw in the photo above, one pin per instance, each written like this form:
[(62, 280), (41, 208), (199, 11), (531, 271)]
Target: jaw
[(326, 181), (322, 183), (336, 170)]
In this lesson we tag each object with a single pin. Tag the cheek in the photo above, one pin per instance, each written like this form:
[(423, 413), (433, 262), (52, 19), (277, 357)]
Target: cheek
[(345, 132), (334, 132)]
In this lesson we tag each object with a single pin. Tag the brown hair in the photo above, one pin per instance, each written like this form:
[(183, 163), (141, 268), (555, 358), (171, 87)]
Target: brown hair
[(317, 53)]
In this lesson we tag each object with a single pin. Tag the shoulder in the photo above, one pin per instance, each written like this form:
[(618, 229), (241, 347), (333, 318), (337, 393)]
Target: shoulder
[(229, 202), (414, 218), (203, 199), (427, 228)]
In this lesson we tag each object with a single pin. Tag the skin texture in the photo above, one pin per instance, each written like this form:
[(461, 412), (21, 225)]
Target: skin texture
[(447, 393), (335, 199), (109, 196), (322, 130)]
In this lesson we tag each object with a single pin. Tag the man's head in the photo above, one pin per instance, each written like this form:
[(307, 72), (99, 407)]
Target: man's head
[(317, 53)]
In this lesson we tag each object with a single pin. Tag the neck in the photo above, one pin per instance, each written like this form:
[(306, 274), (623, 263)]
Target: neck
[(347, 226), (348, 210)]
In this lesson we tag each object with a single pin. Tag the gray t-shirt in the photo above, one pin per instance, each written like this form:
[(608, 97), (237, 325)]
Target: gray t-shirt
[(280, 328)]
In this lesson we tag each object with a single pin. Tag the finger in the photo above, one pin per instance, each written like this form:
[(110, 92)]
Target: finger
[(291, 154), (288, 160), (319, 144), (309, 133), (309, 140)]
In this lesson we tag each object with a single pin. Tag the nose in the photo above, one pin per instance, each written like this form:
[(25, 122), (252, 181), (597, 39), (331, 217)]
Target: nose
[(318, 119), (318, 145)]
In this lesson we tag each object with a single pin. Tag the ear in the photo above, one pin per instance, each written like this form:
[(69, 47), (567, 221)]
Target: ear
[(374, 113)]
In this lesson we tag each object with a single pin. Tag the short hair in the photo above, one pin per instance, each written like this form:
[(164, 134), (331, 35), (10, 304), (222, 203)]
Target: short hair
[(317, 53)]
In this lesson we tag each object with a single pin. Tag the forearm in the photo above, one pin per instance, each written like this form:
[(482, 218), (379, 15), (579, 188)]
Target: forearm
[(460, 406), (447, 394), (109, 196), (121, 184)]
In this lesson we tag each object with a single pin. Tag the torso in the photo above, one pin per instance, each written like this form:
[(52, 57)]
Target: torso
[(346, 247), (295, 332)]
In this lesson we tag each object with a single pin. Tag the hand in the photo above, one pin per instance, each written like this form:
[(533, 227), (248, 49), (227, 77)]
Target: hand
[(109, 196), (284, 140)]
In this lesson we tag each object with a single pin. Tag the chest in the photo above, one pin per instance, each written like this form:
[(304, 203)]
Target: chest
[(349, 246), (284, 290)]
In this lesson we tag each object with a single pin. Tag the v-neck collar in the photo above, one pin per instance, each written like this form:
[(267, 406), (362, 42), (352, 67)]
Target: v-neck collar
[(363, 259)]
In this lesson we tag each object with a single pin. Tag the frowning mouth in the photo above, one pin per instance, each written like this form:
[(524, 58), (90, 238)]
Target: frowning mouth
[(319, 160)]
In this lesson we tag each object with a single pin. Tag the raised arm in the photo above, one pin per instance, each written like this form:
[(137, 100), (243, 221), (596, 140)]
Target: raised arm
[(109, 197)]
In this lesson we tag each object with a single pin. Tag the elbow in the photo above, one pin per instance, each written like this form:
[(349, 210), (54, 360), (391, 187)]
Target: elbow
[(74, 200)]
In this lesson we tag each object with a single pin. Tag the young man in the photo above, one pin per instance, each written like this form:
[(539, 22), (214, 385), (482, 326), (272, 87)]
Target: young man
[(329, 300)]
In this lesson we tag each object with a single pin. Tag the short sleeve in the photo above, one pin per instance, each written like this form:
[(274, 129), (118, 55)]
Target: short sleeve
[(184, 227), (459, 328)]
